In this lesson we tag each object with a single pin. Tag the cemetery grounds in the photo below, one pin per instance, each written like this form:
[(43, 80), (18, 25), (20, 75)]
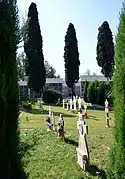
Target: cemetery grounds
[(45, 156)]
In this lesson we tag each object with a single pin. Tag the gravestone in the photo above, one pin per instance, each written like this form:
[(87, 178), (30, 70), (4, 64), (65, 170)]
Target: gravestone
[(107, 113), (82, 149), (67, 105), (80, 119), (60, 129), (85, 107), (39, 102), (63, 103), (49, 124), (53, 121), (85, 110), (79, 103), (70, 104), (74, 101), (50, 112)]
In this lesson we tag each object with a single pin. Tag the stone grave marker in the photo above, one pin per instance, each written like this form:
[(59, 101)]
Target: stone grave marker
[(50, 112), (107, 113), (63, 103), (85, 110), (74, 101), (39, 102), (70, 104), (67, 106), (82, 149), (80, 119), (49, 124), (60, 129), (53, 121), (79, 103)]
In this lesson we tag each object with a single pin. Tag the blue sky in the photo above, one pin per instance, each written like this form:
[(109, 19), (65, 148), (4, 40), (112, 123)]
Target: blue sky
[(86, 15)]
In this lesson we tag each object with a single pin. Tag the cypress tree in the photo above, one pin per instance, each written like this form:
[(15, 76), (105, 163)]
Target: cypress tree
[(33, 45), (10, 166), (116, 167), (71, 58), (105, 50)]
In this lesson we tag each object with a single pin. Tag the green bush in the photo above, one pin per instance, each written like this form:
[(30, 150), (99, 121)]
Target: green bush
[(85, 90), (91, 92), (27, 106), (51, 96), (97, 92)]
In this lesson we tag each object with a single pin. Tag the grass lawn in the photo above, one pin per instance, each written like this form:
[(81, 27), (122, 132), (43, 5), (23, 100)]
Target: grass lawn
[(46, 156)]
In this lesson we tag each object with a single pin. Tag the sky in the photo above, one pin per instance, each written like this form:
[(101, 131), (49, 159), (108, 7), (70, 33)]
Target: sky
[(86, 15)]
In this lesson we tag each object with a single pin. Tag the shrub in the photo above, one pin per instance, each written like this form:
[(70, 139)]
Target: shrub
[(91, 92), (97, 92), (27, 106), (51, 96)]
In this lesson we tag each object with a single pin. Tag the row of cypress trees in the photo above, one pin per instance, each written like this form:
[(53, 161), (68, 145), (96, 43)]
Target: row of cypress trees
[(33, 45)]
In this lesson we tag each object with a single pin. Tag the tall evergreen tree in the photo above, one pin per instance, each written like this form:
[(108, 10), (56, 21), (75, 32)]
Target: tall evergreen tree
[(105, 50), (71, 58), (33, 48), (116, 168), (10, 167)]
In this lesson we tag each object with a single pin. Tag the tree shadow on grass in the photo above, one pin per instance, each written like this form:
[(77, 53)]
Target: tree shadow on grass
[(70, 141), (93, 117), (27, 147), (46, 112), (95, 171)]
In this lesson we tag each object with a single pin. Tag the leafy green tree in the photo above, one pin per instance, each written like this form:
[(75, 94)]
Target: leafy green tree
[(50, 71), (91, 92), (33, 45), (10, 165), (116, 167), (105, 50), (101, 93), (22, 65), (71, 58)]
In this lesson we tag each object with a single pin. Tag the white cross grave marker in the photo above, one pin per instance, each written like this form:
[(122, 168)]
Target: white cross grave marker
[(70, 104), (79, 102), (63, 103), (74, 101)]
